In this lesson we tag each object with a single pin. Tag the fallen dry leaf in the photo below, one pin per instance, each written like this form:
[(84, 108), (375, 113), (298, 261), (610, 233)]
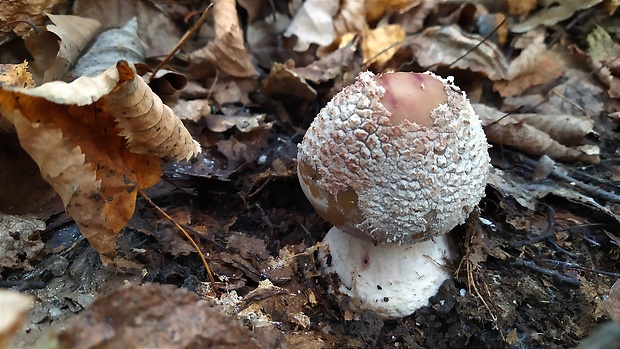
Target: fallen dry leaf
[(110, 47), (284, 81), (313, 24), (227, 51), (554, 12), (604, 59), (155, 28), (338, 63), (521, 7), (154, 316), (263, 38), (534, 134), (15, 75), (223, 123), (14, 307), (20, 243), (535, 65), (612, 302), (380, 44), (376, 9), (60, 45), (443, 45), (350, 17), (97, 141), (413, 18), (33, 10)]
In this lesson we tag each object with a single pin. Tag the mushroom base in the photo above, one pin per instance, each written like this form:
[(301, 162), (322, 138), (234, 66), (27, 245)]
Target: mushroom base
[(391, 280)]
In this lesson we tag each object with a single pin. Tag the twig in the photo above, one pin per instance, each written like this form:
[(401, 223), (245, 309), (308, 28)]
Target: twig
[(181, 42), (202, 256), (577, 266), (25, 21), (590, 189), (480, 43), (552, 273)]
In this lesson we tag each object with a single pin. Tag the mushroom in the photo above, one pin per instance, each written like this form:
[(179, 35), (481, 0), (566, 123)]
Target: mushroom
[(394, 161)]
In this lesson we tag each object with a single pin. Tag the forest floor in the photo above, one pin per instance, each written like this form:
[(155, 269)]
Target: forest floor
[(537, 261)]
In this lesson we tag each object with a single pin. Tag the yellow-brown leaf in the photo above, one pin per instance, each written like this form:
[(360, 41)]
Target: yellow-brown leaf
[(71, 132)]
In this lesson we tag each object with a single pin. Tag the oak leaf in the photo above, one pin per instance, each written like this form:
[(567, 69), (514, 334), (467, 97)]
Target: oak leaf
[(97, 141)]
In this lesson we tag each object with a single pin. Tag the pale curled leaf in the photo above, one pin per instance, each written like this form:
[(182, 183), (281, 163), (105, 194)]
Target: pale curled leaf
[(149, 125), (313, 24), (517, 131)]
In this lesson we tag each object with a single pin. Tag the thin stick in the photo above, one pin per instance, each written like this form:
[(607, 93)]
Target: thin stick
[(181, 42), (202, 256)]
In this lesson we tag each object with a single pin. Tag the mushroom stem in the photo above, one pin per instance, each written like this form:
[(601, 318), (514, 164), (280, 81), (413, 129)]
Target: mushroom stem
[(390, 279)]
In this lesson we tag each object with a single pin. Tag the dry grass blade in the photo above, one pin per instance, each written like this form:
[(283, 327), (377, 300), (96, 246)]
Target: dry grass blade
[(202, 256)]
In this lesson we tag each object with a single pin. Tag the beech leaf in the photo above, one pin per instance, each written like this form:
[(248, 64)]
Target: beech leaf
[(97, 141)]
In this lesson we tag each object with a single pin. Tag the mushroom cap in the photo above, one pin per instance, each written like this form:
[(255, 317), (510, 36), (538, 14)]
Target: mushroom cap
[(391, 280), (375, 173)]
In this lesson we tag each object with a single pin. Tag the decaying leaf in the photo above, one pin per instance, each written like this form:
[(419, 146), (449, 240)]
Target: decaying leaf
[(551, 135), (97, 141), (154, 316), (227, 52), (110, 47), (380, 44), (34, 11), (15, 75), (223, 123), (534, 66), (155, 27), (20, 243), (375, 10), (443, 45), (350, 18), (612, 302), (283, 80), (313, 24), (337, 63), (60, 45), (554, 12), (520, 7), (14, 306), (412, 19), (604, 59)]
